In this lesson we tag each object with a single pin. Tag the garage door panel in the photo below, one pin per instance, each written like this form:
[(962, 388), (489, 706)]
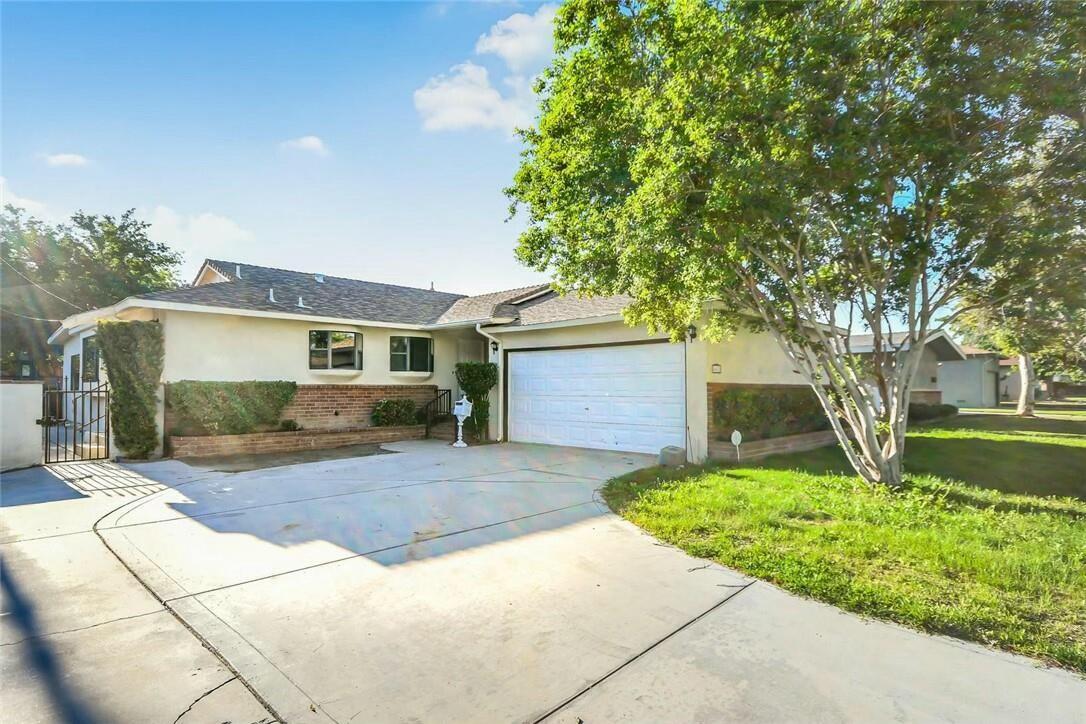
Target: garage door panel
[(615, 398)]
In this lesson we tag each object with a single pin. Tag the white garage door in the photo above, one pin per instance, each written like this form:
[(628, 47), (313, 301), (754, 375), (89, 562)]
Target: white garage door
[(629, 398)]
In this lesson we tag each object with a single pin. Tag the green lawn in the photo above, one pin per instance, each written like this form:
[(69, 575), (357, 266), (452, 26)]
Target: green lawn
[(987, 542)]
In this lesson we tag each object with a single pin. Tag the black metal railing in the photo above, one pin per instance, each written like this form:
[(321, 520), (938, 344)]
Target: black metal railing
[(436, 409), (75, 424)]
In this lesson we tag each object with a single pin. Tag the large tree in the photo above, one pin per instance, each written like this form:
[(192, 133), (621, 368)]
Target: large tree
[(51, 272), (812, 169)]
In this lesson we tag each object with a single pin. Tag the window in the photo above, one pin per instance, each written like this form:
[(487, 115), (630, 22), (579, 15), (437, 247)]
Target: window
[(90, 359), (73, 372), (330, 350), (411, 354)]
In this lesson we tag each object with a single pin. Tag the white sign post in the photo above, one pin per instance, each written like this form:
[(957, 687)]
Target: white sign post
[(737, 438), (462, 411)]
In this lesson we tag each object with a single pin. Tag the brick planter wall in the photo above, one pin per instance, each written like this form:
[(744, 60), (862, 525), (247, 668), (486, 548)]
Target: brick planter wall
[(721, 450), (267, 442), (315, 407)]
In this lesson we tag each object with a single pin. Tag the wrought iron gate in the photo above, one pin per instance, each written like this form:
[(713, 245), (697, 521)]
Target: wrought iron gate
[(75, 424)]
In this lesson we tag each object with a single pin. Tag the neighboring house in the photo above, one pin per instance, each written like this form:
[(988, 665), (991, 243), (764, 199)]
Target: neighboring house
[(972, 382), (572, 372), (938, 349)]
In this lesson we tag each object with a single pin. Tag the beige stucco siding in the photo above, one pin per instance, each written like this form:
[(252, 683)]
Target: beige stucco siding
[(751, 358), (225, 347)]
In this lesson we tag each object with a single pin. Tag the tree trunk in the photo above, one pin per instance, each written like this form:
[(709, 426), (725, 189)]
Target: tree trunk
[(1025, 385)]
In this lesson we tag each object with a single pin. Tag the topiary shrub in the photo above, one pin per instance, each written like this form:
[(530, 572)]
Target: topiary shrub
[(227, 408), (133, 353), (390, 413), (761, 413), (921, 411), (476, 379)]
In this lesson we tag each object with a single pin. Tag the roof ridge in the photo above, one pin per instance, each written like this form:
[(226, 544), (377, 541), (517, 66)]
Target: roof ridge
[(326, 276)]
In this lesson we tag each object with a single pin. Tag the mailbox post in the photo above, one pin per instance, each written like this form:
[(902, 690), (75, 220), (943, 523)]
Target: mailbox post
[(462, 411)]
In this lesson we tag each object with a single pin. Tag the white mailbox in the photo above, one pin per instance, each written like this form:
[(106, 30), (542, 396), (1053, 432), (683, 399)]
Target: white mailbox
[(462, 411)]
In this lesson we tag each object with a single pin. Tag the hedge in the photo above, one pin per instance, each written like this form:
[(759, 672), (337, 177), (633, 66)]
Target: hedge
[(133, 354), (389, 413), (227, 408), (760, 413), (476, 379), (920, 411)]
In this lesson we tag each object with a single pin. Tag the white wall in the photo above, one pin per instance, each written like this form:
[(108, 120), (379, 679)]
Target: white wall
[(223, 347), (751, 358), (20, 436), (969, 383)]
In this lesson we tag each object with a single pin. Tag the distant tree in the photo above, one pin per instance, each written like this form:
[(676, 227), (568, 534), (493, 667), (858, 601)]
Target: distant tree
[(51, 272), (811, 169)]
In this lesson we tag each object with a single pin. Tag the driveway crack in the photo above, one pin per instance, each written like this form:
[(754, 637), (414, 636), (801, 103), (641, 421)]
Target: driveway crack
[(206, 694)]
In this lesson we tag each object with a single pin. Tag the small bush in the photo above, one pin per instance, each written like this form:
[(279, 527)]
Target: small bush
[(390, 413), (227, 408), (133, 354), (920, 411), (289, 426), (761, 413), (476, 379)]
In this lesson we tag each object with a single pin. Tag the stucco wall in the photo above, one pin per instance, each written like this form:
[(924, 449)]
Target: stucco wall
[(20, 436), (233, 348), (751, 358), (969, 383)]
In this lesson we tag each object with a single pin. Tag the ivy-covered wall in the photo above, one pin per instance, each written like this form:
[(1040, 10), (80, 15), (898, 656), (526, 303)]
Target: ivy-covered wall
[(133, 353), (226, 408)]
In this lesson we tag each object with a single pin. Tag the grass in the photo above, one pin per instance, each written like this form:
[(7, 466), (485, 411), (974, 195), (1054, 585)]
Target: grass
[(987, 542)]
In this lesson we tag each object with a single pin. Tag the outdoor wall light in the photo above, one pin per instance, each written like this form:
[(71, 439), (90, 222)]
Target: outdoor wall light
[(716, 369), (494, 347), (692, 333)]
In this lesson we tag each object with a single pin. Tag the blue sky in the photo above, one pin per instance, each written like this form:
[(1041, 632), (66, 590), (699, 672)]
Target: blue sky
[(365, 140)]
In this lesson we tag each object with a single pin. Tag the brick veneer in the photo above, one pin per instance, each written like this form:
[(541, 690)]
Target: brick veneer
[(338, 407), (267, 442), (722, 450), (927, 397)]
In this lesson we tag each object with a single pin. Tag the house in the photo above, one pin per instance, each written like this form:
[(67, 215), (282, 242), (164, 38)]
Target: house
[(571, 371), (938, 348), (972, 382)]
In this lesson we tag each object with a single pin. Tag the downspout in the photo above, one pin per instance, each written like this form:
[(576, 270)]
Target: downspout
[(501, 379)]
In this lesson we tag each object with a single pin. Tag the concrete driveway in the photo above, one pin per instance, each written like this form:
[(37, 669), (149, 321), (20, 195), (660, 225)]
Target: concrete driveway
[(490, 585)]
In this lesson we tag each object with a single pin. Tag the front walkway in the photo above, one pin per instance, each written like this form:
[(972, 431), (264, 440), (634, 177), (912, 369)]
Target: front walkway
[(489, 584), (82, 640)]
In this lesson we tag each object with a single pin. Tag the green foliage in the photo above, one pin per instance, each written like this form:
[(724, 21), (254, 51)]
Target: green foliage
[(227, 408), (834, 162), (476, 379), (761, 413), (920, 411), (133, 355), (399, 411), (289, 426), (975, 546), (93, 261)]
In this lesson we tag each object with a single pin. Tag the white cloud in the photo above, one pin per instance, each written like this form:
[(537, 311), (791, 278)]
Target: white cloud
[(198, 236), (312, 144), (9, 197), (66, 159), (465, 97), (523, 41)]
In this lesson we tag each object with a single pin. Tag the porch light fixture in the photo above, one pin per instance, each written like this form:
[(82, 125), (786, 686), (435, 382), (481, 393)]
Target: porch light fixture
[(691, 333), (716, 369), (494, 347)]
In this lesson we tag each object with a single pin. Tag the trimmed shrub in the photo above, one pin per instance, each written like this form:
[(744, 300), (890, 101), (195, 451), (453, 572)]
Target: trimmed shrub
[(390, 413), (476, 379), (289, 426), (761, 413), (920, 411), (227, 408), (133, 353)]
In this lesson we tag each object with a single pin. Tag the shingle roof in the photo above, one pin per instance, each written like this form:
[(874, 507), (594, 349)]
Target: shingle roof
[(484, 306), (352, 299), (554, 308), (334, 297), (940, 342)]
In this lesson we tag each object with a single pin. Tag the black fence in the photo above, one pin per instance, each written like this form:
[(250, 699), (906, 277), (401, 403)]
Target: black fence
[(75, 424)]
